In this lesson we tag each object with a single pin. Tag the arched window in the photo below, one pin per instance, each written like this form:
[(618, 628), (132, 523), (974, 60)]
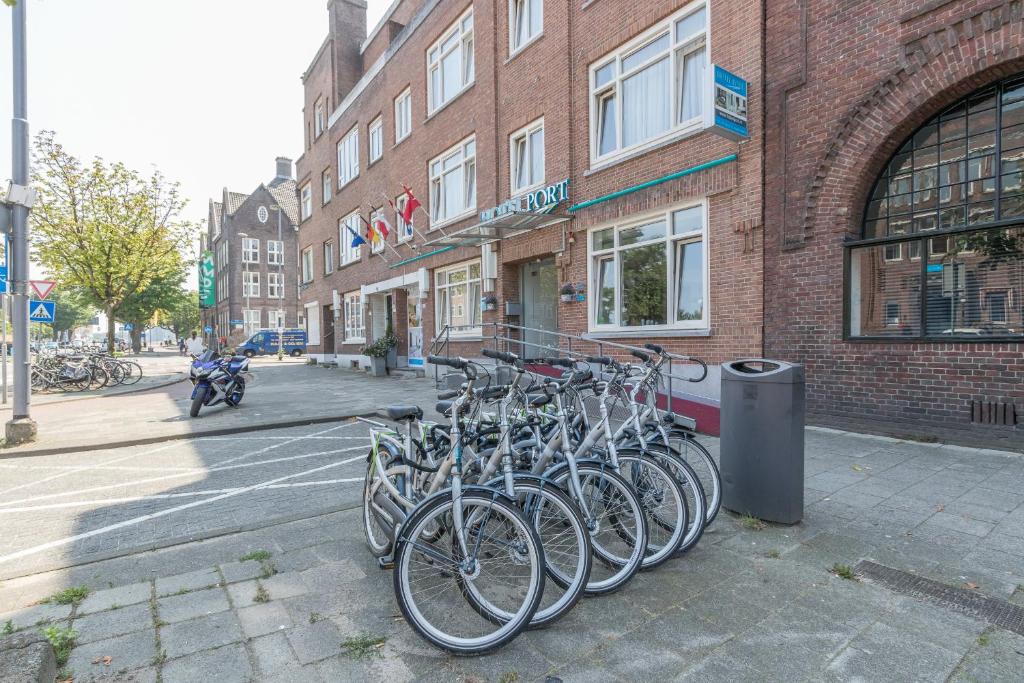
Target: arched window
[(942, 250)]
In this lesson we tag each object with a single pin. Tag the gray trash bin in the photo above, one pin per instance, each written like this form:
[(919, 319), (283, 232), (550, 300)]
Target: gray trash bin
[(762, 442)]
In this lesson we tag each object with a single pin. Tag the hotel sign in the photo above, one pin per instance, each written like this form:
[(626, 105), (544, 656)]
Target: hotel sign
[(532, 202), (725, 105)]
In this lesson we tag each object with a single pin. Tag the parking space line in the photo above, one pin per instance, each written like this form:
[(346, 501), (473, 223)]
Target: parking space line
[(284, 443)]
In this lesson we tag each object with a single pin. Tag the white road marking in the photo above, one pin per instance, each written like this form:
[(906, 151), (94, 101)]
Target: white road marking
[(283, 443), (160, 513), (269, 438), (104, 468)]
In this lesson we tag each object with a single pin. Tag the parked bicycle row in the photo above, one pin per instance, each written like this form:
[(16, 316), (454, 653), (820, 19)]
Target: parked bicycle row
[(531, 497), (82, 372)]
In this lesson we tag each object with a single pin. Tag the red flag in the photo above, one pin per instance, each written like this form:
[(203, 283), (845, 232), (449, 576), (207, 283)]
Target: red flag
[(411, 205), (382, 226)]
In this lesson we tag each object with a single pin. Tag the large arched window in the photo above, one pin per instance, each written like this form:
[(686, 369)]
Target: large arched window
[(942, 251)]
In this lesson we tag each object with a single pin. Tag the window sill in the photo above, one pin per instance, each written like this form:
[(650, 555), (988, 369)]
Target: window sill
[(402, 139), (343, 266), (601, 165), (374, 161), (653, 332), (347, 182), (468, 337), (454, 98), (522, 48)]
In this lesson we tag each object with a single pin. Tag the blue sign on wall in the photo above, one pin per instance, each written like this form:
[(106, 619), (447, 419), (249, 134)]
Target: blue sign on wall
[(41, 311), (934, 267), (725, 104)]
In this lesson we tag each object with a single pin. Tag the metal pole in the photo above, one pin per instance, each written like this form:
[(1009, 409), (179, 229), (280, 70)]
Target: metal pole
[(3, 371), (284, 310), (21, 428)]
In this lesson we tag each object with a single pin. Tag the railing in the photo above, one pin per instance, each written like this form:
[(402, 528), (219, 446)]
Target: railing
[(501, 340)]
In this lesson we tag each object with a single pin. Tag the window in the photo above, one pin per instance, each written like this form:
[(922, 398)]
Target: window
[(403, 116), (376, 140), (319, 117), (275, 285), (307, 265), (348, 157), (348, 228), (937, 201), (312, 320), (250, 250), (526, 153), (328, 257), (652, 88), (526, 21), (222, 255), (651, 272), (222, 287), (405, 230), (275, 319), (450, 63), (325, 185), (354, 329), (250, 283), (307, 201), (453, 184), (251, 318), (457, 298), (275, 252)]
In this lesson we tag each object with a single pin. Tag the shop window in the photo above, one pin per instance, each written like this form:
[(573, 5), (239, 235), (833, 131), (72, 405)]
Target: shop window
[(453, 184), (275, 252), (526, 21), (457, 298), (526, 153), (450, 68), (403, 116), (650, 273), (306, 203), (326, 188), (348, 228), (307, 265), (355, 330), (376, 136), (651, 89), (250, 250), (348, 158), (953, 193)]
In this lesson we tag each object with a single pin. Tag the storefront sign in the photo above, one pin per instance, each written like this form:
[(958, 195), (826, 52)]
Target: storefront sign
[(207, 295), (535, 201), (725, 106)]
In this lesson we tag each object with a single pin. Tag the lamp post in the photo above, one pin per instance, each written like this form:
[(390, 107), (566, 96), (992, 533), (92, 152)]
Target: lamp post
[(245, 285), (280, 269)]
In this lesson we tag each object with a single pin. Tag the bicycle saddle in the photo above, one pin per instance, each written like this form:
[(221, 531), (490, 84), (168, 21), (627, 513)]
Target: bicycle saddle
[(399, 413)]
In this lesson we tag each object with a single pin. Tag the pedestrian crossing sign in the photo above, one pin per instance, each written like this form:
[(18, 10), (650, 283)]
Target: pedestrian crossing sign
[(41, 311)]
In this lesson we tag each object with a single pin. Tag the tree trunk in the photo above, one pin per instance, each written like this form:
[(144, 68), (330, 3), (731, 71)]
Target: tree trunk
[(136, 335), (110, 329)]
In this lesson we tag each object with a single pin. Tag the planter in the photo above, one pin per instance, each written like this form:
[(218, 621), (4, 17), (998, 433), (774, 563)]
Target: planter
[(392, 358), (378, 366), (567, 298)]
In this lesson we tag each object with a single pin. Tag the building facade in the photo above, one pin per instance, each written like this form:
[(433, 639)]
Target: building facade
[(554, 149), (894, 212), (252, 238)]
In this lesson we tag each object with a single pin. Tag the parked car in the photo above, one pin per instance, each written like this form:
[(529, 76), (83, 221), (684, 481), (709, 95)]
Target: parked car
[(268, 341)]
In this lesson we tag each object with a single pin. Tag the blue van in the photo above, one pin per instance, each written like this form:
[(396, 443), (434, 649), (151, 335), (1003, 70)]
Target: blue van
[(267, 342)]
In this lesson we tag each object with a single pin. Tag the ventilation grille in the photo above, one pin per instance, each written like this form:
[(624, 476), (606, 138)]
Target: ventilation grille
[(1002, 413)]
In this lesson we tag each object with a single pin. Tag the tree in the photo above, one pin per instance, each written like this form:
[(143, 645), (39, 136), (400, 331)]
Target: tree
[(183, 317), (105, 229), (150, 307), (71, 310)]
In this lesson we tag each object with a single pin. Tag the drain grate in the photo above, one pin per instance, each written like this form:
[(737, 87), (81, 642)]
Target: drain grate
[(994, 611)]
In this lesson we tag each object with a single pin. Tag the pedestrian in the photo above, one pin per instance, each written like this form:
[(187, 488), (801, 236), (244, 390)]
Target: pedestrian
[(181, 347), (194, 345)]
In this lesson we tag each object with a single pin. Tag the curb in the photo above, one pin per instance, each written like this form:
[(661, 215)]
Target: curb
[(220, 431), (74, 399)]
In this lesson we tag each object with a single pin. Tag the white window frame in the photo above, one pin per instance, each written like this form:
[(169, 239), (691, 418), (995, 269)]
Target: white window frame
[(405, 231), (348, 157), (250, 284), (326, 188), (524, 135), (250, 250), (328, 250), (275, 252), (252, 321), (306, 265), (670, 241), (375, 140), (403, 115), (472, 302), (312, 323), (515, 9), (276, 316), (354, 321), (319, 117), (899, 253), (891, 320), (462, 31), (306, 203), (350, 254), (437, 174), (613, 88), (222, 255), (275, 285)]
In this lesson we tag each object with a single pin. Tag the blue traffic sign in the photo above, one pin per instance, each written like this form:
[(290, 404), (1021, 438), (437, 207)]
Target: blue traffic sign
[(128, 327), (41, 311), (208, 330)]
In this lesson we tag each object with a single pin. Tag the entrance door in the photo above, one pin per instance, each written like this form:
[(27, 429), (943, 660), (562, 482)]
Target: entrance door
[(414, 310), (328, 330), (540, 307)]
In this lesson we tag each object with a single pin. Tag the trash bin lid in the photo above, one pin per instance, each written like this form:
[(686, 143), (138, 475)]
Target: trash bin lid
[(763, 370)]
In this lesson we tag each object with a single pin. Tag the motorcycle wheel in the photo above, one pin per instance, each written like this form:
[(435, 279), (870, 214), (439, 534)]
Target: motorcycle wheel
[(197, 403)]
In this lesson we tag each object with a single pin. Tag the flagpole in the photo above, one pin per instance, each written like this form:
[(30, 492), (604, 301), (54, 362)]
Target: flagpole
[(411, 224), (382, 237)]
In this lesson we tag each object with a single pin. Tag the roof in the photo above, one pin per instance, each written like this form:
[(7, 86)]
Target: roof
[(234, 200), (284, 193)]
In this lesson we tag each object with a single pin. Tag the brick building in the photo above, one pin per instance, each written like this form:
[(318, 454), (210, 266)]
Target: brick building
[(894, 211), (553, 146), (253, 241)]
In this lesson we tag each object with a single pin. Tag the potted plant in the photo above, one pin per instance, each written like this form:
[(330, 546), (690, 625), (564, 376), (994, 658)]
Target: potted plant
[(490, 303), (568, 293), (377, 352), (392, 342)]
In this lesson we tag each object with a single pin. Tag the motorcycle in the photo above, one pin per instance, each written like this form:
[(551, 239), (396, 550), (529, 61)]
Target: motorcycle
[(217, 380)]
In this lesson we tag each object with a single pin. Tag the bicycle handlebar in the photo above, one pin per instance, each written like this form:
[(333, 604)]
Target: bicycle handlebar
[(561, 362), (509, 358)]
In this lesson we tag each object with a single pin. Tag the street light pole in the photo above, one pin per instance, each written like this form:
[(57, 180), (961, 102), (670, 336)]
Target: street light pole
[(21, 428), (280, 269), (245, 285)]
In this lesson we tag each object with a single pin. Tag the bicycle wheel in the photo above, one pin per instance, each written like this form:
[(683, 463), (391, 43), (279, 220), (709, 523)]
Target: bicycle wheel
[(504, 570), (115, 371), (377, 535), (132, 371), (98, 377), (663, 502), (704, 466), (696, 501)]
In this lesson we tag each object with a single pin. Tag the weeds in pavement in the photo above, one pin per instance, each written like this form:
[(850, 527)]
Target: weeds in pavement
[(363, 646), (62, 639), (983, 639), (160, 657), (753, 523), (115, 606), (68, 596), (315, 617), (268, 569), (8, 627), (843, 571), (261, 595), (773, 554), (508, 677), (258, 555), (65, 675)]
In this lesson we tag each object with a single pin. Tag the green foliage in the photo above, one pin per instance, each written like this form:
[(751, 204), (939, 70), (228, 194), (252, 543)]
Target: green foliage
[(72, 310), (843, 571), (753, 523), (69, 596), (63, 640), (257, 555), (183, 314), (8, 627), (380, 347), (363, 646), (262, 595)]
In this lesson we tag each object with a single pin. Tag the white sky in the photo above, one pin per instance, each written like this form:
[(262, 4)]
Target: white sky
[(207, 91)]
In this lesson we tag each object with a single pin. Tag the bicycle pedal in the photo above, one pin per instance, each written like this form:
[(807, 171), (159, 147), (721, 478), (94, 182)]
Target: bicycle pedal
[(385, 563)]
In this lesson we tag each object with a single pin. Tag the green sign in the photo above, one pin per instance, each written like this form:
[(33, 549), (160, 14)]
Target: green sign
[(207, 293)]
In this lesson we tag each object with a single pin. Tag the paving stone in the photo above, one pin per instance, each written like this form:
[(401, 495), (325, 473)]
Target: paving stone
[(191, 581), (313, 642), (244, 594), (228, 664), (275, 659), (884, 653), (259, 620), (186, 637), (132, 651), (111, 675), (122, 595), (285, 585), (27, 658), (241, 571), (116, 622), (327, 577), (36, 614), (190, 605)]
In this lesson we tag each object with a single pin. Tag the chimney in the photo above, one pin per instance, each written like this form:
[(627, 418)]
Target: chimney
[(348, 31), (284, 168)]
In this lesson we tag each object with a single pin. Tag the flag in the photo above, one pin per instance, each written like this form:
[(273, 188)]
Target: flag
[(382, 225), (411, 205), (357, 239), (370, 232)]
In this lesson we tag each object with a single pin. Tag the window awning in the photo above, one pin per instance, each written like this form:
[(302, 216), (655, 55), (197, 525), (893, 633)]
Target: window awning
[(501, 227)]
